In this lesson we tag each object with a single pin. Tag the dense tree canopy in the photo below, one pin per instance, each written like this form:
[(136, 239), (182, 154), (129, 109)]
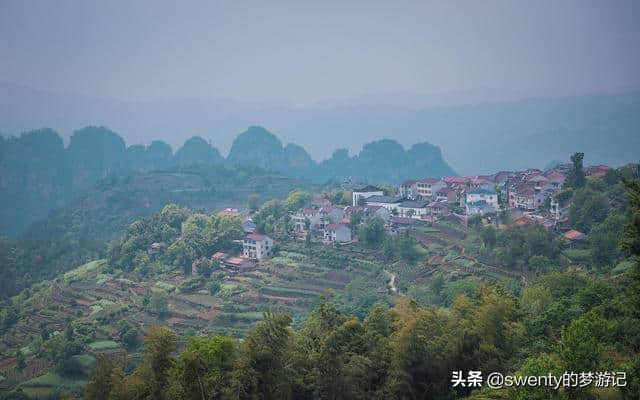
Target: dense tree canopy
[(180, 237)]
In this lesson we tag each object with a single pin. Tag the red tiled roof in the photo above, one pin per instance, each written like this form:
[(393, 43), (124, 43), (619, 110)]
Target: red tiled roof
[(454, 179), (333, 227), (573, 235), (237, 260), (428, 180), (597, 167), (478, 181), (256, 236), (597, 171), (524, 220), (229, 212), (555, 176), (219, 256), (526, 192), (537, 178)]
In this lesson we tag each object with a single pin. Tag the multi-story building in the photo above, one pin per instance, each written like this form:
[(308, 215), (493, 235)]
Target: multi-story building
[(408, 190), (364, 192), (447, 194), (303, 215), (257, 246), (481, 201), (525, 197), (340, 233), (438, 209), (426, 188)]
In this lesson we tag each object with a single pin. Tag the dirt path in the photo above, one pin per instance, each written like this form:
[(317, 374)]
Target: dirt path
[(392, 282)]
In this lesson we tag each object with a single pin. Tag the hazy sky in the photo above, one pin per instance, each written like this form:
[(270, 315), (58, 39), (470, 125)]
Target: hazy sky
[(302, 51)]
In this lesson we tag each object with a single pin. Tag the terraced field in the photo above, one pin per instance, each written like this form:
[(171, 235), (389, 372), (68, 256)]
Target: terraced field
[(294, 281)]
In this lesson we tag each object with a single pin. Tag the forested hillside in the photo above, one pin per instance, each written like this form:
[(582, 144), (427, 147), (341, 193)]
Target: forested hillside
[(39, 174), (580, 317), (79, 231), (388, 317)]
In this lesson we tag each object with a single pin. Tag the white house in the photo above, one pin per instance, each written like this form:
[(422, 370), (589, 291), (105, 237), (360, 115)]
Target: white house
[(365, 192), (408, 190), (412, 209), (257, 246), (489, 196), (389, 202), (479, 207), (301, 216), (340, 233), (438, 208), (248, 226), (334, 214), (481, 201), (525, 197)]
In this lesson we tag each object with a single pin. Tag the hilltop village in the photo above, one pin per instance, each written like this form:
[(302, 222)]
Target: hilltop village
[(353, 244), (503, 199)]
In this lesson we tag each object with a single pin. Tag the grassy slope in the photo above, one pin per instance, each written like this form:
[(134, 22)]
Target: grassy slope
[(294, 282)]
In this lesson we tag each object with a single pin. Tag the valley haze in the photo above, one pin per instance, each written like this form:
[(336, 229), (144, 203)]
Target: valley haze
[(325, 199), (508, 131)]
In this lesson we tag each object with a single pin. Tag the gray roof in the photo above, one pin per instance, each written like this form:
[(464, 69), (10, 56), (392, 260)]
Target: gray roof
[(414, 204), (366, 188), (383, 199)]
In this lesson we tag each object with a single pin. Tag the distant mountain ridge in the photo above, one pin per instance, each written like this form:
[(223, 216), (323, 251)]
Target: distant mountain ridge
[(480, 133), (379, 161), (40, 174)]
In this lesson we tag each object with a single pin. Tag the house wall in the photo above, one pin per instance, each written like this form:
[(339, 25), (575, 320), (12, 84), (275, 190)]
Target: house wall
[(427, 190), (451, 197), (357, 195), (408, 191), (257, 249), (491, 199), (417, 212), (343, 235), (299, 219), (339, 235), (389, 206)]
